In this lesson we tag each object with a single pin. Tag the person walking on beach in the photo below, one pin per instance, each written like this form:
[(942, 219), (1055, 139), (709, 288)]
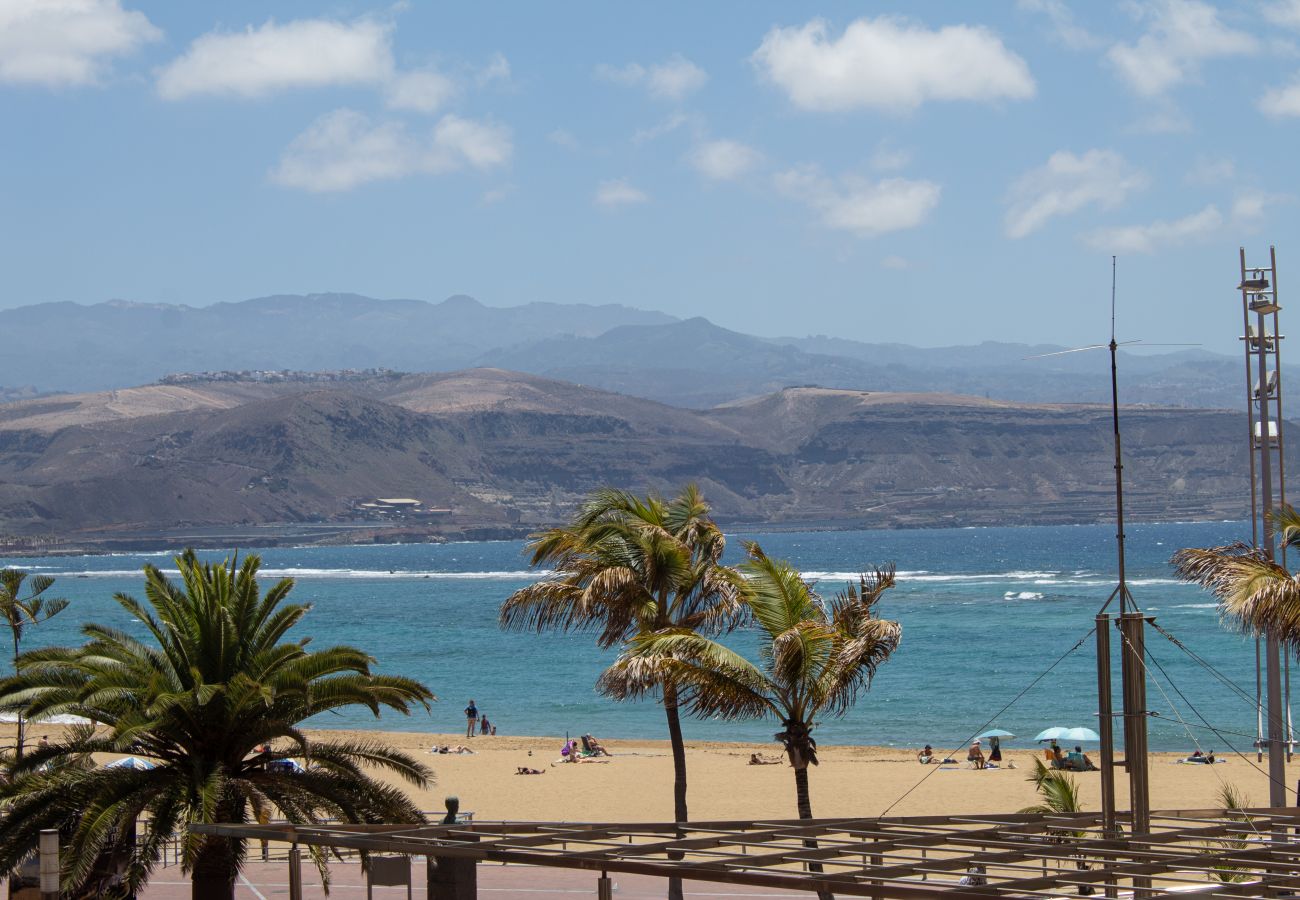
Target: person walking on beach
[(471, 715)]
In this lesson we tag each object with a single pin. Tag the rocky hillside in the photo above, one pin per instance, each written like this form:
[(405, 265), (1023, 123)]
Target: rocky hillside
[(490, 448)]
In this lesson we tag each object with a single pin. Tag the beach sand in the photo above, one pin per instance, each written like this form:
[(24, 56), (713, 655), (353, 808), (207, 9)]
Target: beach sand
[(636, 782)]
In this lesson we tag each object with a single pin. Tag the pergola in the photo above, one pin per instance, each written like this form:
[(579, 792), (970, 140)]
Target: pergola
[(1211, 853)]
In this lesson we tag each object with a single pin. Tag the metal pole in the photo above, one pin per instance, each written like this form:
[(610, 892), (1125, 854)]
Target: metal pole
[(1105, 726), (1272, 649), (295, 873), (1132, 659), (49, 863)]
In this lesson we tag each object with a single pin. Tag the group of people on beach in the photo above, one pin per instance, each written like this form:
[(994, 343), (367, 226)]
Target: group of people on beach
[(476, 719)]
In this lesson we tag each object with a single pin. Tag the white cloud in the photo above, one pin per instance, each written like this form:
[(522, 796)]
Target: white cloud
[(497, 69), (1282, 101), (1284, 12), (1180, 35), (667, 126), (866, 208), (890, 159), (895, 262), (890, 63), (672, 79), (617, 192), (724, 160), (423, 91), (562, 138), (60, 43), (1250, 207), (497, 194), (1211, 170), (298, 54), (1066, 184), (1157, 235), (344, 149), (1064, 27)]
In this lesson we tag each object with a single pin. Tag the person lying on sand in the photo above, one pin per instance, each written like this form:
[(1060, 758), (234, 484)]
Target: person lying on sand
[(447, 749), (757, 759), (524, 770)]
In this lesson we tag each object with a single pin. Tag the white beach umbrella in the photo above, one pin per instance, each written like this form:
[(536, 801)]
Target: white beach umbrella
[(996, 733), (130, 762)]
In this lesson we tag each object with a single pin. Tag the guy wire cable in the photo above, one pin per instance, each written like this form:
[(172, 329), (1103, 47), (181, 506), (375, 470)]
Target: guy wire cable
[(993, 718), (1205, 664)]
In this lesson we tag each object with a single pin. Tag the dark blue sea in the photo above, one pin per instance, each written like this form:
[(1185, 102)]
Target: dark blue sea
[(985, 611)]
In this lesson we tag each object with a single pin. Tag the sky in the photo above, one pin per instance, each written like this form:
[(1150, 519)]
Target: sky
[(930, 173)]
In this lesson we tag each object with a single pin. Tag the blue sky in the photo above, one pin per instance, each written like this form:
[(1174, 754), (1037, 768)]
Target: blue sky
[(929, 172)]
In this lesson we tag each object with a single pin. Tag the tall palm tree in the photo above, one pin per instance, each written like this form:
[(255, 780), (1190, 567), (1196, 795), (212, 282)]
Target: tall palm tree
[(212, 680), (1256, 593), (815, 656), (627, 566), (19, 611)]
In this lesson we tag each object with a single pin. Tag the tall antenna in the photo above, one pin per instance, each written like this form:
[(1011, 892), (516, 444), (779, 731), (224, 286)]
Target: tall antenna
[(1259, 309), (1131, 622)]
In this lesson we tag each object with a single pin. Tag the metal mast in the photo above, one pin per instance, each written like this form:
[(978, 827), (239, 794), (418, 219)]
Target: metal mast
[(1262, 342), (1132, 651)]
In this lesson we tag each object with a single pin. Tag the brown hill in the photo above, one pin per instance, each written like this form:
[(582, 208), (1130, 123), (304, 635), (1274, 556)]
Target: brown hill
[(489, 448)]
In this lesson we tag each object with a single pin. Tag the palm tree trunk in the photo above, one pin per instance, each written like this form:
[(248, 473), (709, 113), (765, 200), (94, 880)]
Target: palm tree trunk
[(215, 868), (805, 812), (18, 743), (679, 775)]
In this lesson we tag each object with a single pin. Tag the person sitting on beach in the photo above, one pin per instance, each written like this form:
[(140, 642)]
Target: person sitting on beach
[(758, 759), (925, 755), (1055, 756), (593, 747), (975, 756), (524, 770)]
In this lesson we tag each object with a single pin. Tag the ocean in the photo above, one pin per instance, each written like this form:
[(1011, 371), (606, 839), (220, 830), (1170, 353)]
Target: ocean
[(985, 612)]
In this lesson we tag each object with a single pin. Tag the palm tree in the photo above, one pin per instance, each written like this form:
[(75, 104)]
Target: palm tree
[(815, 656), (212, 680), (1260, 595), (627, 566), (1060, 795), (20, 611)]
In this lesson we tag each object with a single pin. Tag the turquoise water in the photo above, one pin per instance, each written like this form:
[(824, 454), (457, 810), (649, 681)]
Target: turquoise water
[(985, 611)]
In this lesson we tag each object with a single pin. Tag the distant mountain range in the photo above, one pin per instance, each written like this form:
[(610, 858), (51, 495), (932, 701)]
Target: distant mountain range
[(690, 363), (491, 451)]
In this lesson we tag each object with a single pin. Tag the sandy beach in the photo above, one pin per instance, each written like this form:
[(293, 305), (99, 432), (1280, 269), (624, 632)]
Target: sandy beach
[(635, 784)]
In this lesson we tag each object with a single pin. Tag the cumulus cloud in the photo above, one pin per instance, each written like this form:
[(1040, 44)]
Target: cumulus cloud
[(1159, 234), (617, 193), (1211, 170), (724, 160), (1250, 207), (497, 69), (299, 54), (1064, 27), (1284, 12), (1180, 35), (1282, 102), (888, 158), (890, 63), (866, 208), (62, 43), (1066, 184), (672, 79), (562, 138), (423, 91), (345, 149)]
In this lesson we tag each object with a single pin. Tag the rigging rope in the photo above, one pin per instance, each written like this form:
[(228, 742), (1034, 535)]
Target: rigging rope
[(993, 719)]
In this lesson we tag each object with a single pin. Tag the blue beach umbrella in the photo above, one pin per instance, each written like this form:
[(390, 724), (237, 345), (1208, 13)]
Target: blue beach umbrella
[(1061, 733), (130, 762)]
